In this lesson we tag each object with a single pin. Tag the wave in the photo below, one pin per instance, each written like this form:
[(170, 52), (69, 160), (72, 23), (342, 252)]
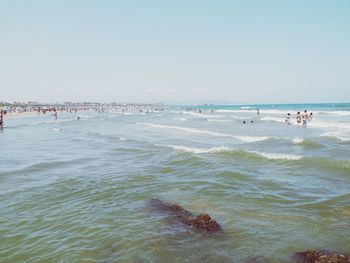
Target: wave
[(337, 135), (57, 129), (202, 115), (240, 117), (224, 149), (247, 139), (232, 118), (106, 136), (306, 142), (194, 149), (253, 110), (278, 156), (338, 113), (329, 124), (338, 200), (43, 166), (275, 119), (307, 162), (39, 123), (216, 120), (327, 163), (298, 140), (235, 111)]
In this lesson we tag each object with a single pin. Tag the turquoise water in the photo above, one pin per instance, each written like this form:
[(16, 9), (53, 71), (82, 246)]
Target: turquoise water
[(77, 190)]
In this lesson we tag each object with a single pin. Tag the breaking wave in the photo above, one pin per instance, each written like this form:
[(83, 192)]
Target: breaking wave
[(247, 139), (237, 152)]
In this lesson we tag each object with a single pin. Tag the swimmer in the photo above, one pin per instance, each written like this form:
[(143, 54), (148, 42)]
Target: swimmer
[(257, 112)]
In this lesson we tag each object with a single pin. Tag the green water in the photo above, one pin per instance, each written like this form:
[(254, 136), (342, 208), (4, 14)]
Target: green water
[(77, 190)]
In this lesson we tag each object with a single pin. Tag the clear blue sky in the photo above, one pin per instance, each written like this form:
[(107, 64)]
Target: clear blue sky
[(175, 51)]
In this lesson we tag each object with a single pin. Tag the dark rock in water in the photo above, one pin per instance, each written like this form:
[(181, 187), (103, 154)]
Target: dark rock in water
[(202, 222), (317, 256), (174, 209)]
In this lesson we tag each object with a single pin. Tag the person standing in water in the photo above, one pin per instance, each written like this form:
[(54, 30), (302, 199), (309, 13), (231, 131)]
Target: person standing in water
[(305, 118), (310, 117), (298, 117), (257, 112), (287, 120)]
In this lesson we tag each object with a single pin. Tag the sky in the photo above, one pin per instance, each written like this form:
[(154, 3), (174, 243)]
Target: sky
[(183, 51)]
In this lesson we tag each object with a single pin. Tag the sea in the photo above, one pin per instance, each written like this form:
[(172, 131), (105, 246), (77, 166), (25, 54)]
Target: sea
[(78, 190)]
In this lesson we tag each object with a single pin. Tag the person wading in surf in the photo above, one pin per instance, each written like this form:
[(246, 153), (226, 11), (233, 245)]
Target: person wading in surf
[(305, 118), (298, 117)]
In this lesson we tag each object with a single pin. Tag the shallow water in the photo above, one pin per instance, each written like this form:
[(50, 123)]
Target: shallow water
[(77, 190)]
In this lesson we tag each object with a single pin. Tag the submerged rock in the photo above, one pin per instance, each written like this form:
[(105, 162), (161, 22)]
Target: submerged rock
[(317, 256), (202, 222)]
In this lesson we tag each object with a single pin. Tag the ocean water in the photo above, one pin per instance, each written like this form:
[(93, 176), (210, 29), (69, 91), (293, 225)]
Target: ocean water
[(78, 190)]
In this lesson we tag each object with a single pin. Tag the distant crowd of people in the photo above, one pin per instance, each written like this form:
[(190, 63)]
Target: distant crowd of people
[(303, 119), (55, 110)]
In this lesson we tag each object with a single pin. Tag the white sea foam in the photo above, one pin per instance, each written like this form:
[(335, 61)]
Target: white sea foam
[(278, 156), (57, 129), (247, 139), (252, 138), (298, 140), (194, 149), (180, 119)]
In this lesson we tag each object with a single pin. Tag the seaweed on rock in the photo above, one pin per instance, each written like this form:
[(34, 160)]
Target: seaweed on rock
[(319, 256), (201, 222)]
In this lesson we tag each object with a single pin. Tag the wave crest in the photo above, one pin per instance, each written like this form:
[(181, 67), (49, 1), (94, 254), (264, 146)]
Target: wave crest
[(224, 149), (248, 139)]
